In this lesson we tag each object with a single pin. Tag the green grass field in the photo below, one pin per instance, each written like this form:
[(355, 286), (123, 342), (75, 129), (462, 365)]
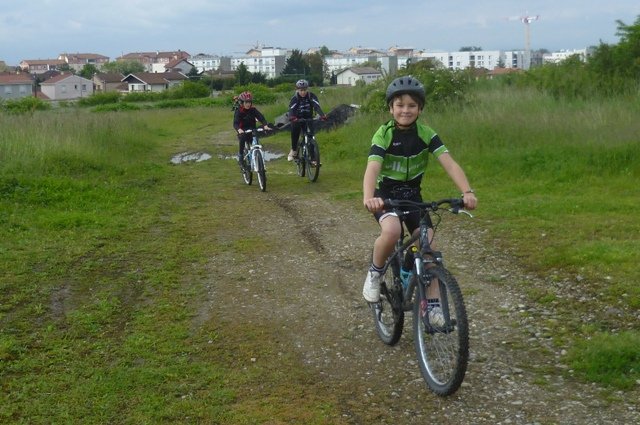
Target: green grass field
[(93, 216)]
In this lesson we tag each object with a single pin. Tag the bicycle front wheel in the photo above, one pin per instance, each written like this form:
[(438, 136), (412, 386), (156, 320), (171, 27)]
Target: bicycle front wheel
[(313, 160), (442, 342), (388, 314), (262, 174)]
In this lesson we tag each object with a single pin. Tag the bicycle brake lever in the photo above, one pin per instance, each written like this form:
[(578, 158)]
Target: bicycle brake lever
[(465, 212)]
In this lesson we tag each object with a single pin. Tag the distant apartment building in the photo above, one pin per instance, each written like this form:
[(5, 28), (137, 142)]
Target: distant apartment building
[(205, 62), (556, 57), (270, 61), (487, 59), (77, 61)]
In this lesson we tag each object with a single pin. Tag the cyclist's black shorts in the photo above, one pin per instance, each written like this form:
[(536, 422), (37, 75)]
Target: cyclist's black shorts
[(411, 220)]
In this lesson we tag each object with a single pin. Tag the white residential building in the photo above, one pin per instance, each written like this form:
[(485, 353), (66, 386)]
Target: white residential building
[(204, 62), (555, 57), (351, 76), (66, 87), (269, 61), (487, 59)]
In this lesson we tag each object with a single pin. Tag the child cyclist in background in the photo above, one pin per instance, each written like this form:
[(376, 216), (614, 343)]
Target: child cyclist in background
[(397, 162), (302, 105), (245, 118)]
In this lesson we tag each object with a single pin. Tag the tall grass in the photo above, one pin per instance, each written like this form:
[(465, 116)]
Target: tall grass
[(556, 179)]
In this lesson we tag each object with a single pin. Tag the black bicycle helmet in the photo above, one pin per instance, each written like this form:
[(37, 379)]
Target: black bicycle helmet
[(302, 84), (406, 85)]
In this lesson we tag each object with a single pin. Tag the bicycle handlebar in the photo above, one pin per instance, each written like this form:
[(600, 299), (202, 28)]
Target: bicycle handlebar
[(456, 205)]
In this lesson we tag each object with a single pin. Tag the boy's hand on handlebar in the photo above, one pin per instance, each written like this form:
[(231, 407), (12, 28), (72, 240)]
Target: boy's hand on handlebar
[(374, 204), (470, 200), (240, 131)]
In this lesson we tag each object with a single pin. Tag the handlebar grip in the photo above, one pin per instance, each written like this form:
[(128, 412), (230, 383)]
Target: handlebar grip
[(456, 204), (389, 204)]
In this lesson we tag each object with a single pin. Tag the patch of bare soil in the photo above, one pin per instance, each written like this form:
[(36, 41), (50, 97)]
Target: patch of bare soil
[(310, 287)]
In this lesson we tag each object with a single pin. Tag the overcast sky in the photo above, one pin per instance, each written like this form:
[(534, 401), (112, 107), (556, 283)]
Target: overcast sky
[(42, 29)]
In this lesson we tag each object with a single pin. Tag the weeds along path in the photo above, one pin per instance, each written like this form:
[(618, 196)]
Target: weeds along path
[(303, 283)]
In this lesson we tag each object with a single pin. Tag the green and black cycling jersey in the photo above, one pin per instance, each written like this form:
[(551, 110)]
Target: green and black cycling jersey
[(404, 154)]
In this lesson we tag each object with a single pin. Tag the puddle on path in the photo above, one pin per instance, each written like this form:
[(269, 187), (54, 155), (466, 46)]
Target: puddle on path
[(202, 156), (190, 157), (268, 156)]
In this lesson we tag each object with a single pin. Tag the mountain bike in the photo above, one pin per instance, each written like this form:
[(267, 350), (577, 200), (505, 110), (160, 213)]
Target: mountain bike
[(308, 153), (253, 160), (412, 271)]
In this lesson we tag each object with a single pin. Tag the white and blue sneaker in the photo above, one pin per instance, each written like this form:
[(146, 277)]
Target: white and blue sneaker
[(371, 289)]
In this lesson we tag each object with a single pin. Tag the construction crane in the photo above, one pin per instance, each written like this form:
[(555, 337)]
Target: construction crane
[(526, 19)]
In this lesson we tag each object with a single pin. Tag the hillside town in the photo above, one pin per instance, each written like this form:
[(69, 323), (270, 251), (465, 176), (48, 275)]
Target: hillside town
[(60, 79)]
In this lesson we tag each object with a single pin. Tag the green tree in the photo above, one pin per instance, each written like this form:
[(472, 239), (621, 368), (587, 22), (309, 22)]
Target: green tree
[(259, 78), (242, 74), (193, 73), (627, 52), (123, 67), (88, 71), (317, 68), (296, 67), (324, 51), (66, 68)]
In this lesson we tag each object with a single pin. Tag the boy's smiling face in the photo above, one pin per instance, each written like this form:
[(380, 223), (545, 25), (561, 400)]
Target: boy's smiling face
[(405, 110)]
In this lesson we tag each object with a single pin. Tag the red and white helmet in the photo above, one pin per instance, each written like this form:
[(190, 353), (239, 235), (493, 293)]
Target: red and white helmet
[(245, 96)]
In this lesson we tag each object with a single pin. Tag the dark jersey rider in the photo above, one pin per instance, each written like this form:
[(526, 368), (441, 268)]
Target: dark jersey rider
[(302, 105)]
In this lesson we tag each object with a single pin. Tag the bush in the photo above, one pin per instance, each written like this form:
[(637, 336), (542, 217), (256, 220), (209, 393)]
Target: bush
[(24, 105), (262, 95), (188, 90), (147, 96), (444, 88), (122, 106), (100, 99)]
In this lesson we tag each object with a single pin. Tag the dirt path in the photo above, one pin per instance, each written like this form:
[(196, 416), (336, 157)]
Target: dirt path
[(514, 377), (309, 289)]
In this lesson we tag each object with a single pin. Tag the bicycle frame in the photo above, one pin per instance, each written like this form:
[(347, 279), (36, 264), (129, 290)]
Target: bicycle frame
[(251, 153), (423, 259)]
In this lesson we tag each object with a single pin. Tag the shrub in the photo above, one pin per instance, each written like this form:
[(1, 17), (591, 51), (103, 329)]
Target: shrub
[(24, 105), (262, 95), (122, 106), (100, 99)]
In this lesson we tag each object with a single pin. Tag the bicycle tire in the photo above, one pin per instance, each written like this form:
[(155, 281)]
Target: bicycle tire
[(443, 352), (313, 159), (300, 159), (262, 174), (247, 175), (388, 314)]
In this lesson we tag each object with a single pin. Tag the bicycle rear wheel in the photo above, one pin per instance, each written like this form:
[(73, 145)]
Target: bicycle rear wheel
[(301, 159), (388, 314), (313, 160), (262, 174), (247, 176), (443, 351)]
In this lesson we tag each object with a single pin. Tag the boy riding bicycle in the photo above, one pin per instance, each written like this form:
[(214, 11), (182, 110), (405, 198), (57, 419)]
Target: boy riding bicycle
[(397, 162)]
